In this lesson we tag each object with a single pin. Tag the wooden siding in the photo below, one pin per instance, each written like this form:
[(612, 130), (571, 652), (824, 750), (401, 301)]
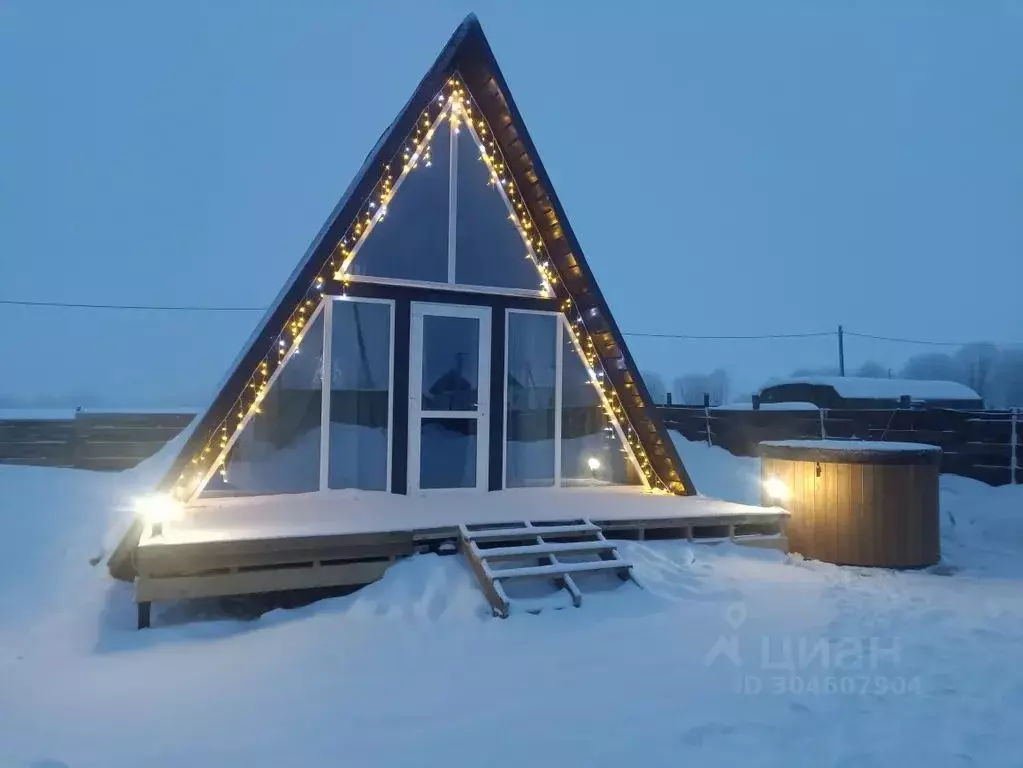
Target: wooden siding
[(883, 515), (90, 440)]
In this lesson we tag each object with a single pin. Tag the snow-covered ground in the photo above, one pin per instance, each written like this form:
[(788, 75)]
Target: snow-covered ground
[(728, 657)]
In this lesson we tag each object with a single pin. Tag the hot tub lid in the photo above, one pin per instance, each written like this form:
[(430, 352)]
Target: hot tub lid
[(851, 451)]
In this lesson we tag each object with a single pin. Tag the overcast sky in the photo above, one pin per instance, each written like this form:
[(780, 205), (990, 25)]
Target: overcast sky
[(789, 166)]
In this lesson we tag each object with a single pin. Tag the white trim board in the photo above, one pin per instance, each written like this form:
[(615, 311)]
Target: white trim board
[(326, 379), (525, 293)]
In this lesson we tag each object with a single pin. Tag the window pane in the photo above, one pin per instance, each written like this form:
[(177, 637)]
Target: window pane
[(451, 348), (591, 451), (279, 449), (447, 457), (411, 242), (360, 363), (532, 350), (488, 247)]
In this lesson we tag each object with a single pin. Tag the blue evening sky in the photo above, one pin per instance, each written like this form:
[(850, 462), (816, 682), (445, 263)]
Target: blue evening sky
[(729, 167)]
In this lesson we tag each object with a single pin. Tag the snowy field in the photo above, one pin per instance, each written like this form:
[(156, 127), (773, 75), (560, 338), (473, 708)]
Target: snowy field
[(728, 657)]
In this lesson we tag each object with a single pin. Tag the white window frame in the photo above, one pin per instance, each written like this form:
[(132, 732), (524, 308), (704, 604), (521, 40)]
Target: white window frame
[(483, 314), (326, 379), (524, 293), (558, 352), (563, 333)]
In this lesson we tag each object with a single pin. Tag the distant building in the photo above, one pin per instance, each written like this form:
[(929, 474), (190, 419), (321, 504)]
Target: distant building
[(861, 392)]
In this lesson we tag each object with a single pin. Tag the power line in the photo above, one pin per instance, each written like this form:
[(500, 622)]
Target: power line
[(729, 338), (142, 307), (183, 308), (906, 341), (637, 334)]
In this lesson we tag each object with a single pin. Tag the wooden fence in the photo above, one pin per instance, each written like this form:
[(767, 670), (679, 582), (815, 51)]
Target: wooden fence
[(87, 439), (984, 445)]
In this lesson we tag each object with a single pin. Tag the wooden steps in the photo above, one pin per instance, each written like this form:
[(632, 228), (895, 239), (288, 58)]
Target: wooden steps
[(548, 549), (531, 541), (478, 533)]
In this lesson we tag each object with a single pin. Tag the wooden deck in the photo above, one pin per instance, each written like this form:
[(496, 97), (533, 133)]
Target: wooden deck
[(271, 544)]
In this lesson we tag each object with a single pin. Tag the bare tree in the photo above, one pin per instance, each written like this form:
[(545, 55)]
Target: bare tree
[(655, 386), (800, 373), (1007, 379), (872, 370), (717, 386), (690, 389), (934, 366), (977, 364)]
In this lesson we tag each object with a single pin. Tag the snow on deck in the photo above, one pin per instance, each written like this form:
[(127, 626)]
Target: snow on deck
[(341, 512)]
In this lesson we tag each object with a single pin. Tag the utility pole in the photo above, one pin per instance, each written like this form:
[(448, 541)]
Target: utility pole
[(841, 352)]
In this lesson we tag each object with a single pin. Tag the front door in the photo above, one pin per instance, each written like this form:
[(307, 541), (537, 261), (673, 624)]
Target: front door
[(449, 397)]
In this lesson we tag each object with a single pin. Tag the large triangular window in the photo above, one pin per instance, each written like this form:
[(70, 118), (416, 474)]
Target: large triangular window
[(448, 219), (278, 447), (409, 240), (489, 249)]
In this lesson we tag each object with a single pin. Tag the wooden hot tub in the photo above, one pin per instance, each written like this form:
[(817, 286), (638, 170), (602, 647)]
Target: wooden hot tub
[(855, 502)]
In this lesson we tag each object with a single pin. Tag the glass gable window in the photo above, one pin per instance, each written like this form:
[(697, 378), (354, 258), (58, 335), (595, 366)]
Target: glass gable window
[(411, 241), (278, 451), (591, 450), (531, 403), (489, 251), (423, 240), (360, 381)]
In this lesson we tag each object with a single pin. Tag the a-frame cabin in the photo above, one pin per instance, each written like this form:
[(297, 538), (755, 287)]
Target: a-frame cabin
[(441, 351)]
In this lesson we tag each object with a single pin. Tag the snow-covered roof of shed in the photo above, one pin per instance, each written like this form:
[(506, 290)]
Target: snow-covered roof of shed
[(862, 388), (851, 445), (748, 406)]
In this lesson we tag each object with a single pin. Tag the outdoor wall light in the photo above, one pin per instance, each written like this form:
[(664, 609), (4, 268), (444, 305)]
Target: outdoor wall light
[(776, 489), (158, 508), (593, 463)]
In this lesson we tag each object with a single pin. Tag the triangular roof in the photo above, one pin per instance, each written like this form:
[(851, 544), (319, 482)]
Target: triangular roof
[(468, 63)]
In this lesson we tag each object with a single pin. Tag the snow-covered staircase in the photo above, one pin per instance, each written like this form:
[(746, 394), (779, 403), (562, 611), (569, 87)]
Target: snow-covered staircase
[(542, 543)]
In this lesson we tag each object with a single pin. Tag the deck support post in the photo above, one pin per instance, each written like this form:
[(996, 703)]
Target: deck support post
[(144, 613)]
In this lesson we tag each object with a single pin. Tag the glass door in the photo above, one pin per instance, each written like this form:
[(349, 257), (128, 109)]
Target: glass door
[(449, 397)]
